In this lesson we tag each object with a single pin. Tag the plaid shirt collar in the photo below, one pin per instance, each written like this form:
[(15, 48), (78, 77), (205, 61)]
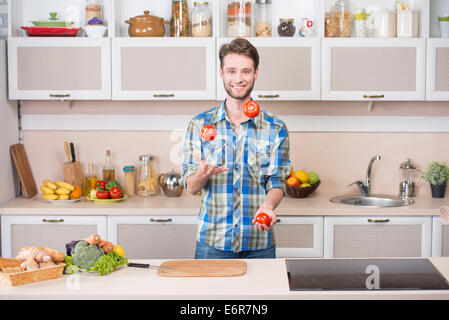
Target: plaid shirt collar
[(220, 114)]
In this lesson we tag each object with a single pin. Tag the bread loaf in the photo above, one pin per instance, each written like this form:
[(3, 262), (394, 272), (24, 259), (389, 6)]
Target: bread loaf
[(40, 254)]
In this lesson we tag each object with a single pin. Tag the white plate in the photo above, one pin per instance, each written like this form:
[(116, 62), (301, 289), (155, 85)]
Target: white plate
[(60, 202)]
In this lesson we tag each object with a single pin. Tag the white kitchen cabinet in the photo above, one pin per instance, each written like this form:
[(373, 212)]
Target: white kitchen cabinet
[(163, 69), (289, 69), (52, 231), (376, 237), (59, 68), (374, 69), (440, 237), (154, 237), (437, 69), (299, 237)]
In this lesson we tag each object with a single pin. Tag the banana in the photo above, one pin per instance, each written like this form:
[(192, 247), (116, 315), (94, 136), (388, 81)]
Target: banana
[(46, 190), (63, 197), (65, 185), (50, 185), (62, 191), (49, 196)]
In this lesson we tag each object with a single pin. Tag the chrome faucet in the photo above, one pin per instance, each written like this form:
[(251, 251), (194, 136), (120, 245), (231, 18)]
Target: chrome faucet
[(365, 188)]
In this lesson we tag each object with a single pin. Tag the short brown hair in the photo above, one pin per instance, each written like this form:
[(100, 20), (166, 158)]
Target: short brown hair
[(239, 46)]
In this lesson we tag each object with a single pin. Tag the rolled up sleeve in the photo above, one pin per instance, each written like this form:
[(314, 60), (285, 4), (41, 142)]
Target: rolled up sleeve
[(279, 162)]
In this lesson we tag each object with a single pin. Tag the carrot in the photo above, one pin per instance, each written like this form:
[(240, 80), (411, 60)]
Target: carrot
[(108, 247), (93, 239), (102, 243)]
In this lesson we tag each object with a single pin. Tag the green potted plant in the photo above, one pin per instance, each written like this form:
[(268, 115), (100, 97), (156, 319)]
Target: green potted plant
[(437, 175)]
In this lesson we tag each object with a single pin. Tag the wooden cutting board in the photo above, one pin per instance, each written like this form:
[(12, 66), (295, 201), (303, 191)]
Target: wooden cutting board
[(23, 168), (203, 268)]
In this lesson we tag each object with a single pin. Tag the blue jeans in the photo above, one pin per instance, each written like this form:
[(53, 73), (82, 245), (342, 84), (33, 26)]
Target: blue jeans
[(204, 251)]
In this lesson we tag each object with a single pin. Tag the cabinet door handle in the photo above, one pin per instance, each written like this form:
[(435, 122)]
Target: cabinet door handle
[(161, 220), (378, 221), (270, 96), (54, 95), (53, 220), (278, 220), (380, 96), (170, 95)]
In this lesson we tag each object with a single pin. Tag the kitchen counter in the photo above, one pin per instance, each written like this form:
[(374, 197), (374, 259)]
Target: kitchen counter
[(137, 283), (315, 205)]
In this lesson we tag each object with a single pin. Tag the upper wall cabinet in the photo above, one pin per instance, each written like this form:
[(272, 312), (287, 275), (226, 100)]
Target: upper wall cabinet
[(374, 69), (163, 68), (62, 68), (437, 69)]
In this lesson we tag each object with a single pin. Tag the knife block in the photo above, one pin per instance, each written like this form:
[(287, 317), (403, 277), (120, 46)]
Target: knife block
[(73, 173)]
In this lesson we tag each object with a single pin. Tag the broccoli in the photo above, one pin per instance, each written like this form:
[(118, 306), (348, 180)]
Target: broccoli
[(86, 255)]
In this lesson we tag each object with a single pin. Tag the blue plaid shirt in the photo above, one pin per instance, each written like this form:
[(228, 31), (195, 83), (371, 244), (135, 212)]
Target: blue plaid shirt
[(257, 156)]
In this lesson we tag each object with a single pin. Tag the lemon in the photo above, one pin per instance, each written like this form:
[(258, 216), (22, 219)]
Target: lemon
[(119, 250), (305, 185), (302, 176)]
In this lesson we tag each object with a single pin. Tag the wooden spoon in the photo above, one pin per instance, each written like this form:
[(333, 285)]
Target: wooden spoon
[(444, 213)]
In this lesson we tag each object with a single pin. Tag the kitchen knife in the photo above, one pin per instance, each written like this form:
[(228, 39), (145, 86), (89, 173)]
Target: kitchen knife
[(72, 151), (67, 151), (146, 265)]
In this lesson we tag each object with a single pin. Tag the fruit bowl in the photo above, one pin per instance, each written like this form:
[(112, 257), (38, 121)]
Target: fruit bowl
[(302, 192)]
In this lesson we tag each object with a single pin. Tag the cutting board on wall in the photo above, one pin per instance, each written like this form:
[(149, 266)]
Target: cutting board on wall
[(202, 268), (23, 168)]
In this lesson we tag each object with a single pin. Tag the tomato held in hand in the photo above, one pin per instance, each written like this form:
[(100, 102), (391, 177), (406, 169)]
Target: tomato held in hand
[(251, 109), (102, 194), (115, 193), (208, 132), (263, 218)]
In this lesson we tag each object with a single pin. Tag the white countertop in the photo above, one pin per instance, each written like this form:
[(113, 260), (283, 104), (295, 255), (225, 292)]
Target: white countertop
[(316, 204), (137, 283)]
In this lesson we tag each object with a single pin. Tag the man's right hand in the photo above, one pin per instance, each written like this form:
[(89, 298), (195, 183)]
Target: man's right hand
[(196, 181)]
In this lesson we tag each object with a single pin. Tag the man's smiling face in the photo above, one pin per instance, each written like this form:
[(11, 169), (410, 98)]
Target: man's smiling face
[(238, 75)]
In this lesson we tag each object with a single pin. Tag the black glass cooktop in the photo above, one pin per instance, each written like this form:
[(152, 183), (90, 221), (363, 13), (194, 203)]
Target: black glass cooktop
[(364, 274)]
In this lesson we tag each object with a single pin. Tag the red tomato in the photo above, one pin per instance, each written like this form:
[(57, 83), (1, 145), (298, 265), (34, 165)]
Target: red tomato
[(208, 132), (263, 218), (102, 194), (100, 184), (251, 109), (115, 193)]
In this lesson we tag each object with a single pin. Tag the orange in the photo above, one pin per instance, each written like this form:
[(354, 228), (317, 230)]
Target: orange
[(302, 176), (293, 182), (77, 193)]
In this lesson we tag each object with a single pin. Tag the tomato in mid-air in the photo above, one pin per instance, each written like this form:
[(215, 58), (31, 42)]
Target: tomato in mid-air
[(263, 218), (208, 132), (102, 194), (115, 193), (251, 109)]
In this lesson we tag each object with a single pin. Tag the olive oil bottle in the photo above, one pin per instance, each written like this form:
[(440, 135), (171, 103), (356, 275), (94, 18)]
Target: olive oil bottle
[(108, 168), (90, 180)]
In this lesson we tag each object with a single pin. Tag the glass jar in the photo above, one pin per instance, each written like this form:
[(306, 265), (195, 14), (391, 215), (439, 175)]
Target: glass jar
[(385, 24), (263, 18), (286, 28), (330, 23), (360, 26), (147, 180), (201, 20), (307, 28), (342, 16), (239, 18), (130, 180), (179, 22), (93, 8), (407, 24)]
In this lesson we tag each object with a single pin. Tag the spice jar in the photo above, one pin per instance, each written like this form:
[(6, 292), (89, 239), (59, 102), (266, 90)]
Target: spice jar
[(239, 18), (130, 180), (343, 18), (179, 22), (201, 20), (147, 181), (94, 8), (360, 27), (286, 28), (263, 18)]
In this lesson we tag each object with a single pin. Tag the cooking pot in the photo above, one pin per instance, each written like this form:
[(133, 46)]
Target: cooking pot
[(146, 26), (171, 184)]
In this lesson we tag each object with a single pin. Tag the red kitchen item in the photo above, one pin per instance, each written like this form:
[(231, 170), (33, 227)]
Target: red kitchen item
[(51, 31)]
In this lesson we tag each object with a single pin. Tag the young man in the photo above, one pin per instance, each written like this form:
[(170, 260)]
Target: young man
[(241, 172)]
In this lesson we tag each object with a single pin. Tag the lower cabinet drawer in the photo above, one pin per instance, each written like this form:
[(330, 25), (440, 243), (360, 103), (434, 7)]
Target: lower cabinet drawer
[(155, 237), (298, 237)]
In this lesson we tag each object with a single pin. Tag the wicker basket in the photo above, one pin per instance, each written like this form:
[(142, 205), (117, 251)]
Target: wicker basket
[(23, 277), (302, 192)]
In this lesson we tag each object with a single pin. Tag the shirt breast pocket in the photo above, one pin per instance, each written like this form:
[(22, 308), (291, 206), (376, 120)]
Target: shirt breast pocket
[(259, 157), (214, 152)]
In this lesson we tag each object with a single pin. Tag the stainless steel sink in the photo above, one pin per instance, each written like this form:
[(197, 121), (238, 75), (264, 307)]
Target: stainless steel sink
[(374, 201)]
